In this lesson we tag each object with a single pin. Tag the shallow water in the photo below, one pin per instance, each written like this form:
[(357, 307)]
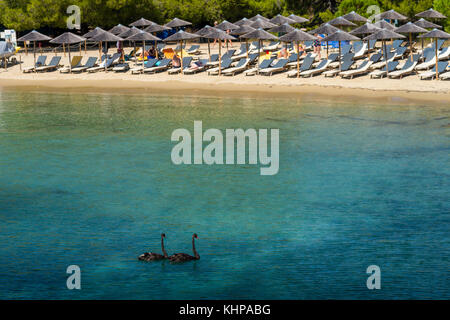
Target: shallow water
[(87, 179)]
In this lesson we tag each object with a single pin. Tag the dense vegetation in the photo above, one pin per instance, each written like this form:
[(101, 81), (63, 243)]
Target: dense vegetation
[(34, 14)]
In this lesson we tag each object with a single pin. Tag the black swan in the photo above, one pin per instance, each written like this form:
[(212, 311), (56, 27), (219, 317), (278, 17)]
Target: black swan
[(151, 256), (183, 257)]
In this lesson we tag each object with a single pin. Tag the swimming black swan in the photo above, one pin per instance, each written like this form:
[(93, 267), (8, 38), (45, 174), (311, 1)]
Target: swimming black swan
[(151, 256), (183, 257)]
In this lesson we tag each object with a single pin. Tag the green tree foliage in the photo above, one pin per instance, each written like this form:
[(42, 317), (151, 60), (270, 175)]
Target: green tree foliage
[(443, 6), (33, 14)]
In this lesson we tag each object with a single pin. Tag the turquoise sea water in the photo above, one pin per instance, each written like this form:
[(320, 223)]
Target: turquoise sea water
[(87, 179)]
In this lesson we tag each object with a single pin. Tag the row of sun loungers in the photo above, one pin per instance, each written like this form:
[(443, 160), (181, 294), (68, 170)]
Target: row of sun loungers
[(377, 65)]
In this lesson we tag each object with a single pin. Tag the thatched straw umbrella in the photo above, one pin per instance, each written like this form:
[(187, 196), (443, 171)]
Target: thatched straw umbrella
[(341, 22), (106, 37), (141, 23), (243, 30), (68, 38), (118, 29), (297, 36), (177, 23), (384, 35), (354, 17), (215, 33), (325, 28), (427, 24), (260, 35), (262, 24), (34, 36), (243, 21), (436, 34), (367, 28), (283, 28), (384, 25), (279, 19), (410, 28), (142, 36), (298, 19), (91, 34), (153, 29), (391, 15), (258, 16), (181, 36), (225, 26), (431, 14), (204, 31), (340, 36)]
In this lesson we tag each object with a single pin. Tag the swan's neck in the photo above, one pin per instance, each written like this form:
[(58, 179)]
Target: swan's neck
[(162, 247), (196, 255)]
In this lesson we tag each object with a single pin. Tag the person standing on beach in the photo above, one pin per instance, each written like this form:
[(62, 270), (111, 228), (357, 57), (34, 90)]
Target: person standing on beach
[(215, 40), (317, 45)]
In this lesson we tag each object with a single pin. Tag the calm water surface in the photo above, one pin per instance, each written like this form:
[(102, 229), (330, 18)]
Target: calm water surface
[(87, 179)]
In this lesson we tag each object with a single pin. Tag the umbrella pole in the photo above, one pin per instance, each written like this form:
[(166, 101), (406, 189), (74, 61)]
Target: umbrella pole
[(298, 59), (209, 51), (259, 59), (327, 49), (106, 59), (387, 71), (156, 49), (246, 46), (181, 70), (385, 55), (135, 60), (34, 55), (410, 44), (70, 62), (64, 49), (436, 52), (220, 57), (340, 58)]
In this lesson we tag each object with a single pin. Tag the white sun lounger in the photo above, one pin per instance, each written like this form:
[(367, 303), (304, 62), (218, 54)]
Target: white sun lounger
[(361, 52), (391, 66), (444, 54), (321, 67), (431, 74), (363, 68), (39, 62), (407, 68), (163, 65), (427, 64), (445, 76), (240, 67)]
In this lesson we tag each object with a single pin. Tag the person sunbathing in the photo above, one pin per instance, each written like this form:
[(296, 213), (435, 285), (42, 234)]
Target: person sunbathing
[(176, 61)]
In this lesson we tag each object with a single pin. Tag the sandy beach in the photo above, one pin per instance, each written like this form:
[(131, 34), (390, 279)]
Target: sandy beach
[(408, 88)]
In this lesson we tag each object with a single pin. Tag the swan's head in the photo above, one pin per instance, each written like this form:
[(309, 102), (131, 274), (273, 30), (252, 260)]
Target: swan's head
[(195, 236), (163, 235)]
